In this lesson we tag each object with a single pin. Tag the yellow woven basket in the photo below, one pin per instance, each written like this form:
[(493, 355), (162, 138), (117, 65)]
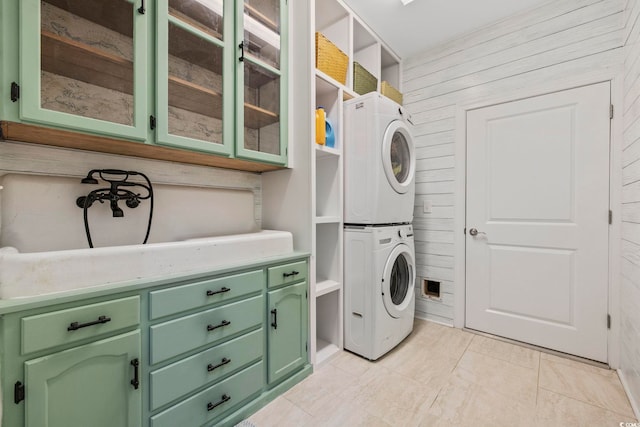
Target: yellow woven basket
[(331, 60), (390, 92)]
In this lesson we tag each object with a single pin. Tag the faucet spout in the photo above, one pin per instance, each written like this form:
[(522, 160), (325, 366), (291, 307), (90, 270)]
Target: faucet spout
[(118, 190)]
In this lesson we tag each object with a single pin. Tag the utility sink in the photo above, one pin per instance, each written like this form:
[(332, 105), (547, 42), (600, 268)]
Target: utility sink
[(31, 274)]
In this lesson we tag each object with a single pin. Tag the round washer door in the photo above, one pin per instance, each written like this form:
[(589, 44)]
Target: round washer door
[(399, 278), (398, 156)]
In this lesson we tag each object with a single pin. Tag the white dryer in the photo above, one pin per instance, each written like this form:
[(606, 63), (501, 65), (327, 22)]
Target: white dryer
[(379, 278), (379, 162)]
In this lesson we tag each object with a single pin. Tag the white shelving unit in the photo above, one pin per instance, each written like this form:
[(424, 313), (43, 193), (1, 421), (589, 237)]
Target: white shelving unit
[(344, 29), (327, 235), (308, 198)]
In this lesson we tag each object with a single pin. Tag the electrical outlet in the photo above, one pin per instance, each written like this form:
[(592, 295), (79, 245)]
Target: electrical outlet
[(427, 206)]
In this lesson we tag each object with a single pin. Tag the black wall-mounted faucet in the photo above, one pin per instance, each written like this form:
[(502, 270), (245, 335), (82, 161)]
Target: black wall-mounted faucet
[(119, 189)]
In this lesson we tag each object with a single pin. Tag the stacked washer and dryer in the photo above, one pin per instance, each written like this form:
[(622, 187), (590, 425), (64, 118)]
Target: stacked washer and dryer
[(379, 254)]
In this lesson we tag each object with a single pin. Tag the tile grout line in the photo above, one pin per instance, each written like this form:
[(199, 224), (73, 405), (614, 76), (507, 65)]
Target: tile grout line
[(586, 403)]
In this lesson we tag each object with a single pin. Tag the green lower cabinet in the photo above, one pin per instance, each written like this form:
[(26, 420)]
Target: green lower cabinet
[(180, 378), (90, 385), (214, 402), (287, 339)]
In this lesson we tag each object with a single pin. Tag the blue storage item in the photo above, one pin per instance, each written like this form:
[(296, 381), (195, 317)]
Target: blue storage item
[(330, 136)]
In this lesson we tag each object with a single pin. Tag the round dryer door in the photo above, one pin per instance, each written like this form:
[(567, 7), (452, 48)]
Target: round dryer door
[(399, 278), (398, 156)]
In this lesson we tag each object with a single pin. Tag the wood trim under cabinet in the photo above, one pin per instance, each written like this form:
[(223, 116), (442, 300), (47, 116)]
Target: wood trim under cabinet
[(62, 138)]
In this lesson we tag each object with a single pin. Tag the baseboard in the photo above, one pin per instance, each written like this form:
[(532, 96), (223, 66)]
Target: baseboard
[(635, 405), (431, 318)]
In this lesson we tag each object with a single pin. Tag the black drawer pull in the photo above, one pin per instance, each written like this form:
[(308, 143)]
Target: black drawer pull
[(275, 318), (221, 291), (221, 325), (293, 273), (223, 362), (75, 325), (135, 382), (212, 406)]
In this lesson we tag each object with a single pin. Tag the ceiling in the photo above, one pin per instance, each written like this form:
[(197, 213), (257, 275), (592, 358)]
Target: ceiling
[(423, 24)]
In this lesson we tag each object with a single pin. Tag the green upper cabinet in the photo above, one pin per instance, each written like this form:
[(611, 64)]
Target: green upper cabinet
[(201, 75), (195, 84), (220, 81), (261, 87), (83, 65)]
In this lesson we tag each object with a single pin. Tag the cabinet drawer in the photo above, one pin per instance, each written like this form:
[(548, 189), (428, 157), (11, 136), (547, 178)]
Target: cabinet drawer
[(75, 324), (215, 401), (287, 273), (200, 294), (182, 377), (178, 336)]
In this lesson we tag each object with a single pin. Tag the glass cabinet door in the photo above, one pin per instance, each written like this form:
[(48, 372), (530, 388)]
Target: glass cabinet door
[(83, 65), (195, 74), (261, 75)]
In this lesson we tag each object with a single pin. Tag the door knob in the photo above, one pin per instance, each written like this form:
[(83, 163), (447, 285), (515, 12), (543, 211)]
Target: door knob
[(474, 232)]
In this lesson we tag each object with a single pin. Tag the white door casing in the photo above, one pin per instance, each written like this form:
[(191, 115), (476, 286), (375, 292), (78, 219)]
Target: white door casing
[(538, 194)]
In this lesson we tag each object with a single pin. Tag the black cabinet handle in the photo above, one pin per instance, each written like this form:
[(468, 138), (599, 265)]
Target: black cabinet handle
[(275, 318), (223, 362), (135, 382), (241, 46), (211, 406), (221, 325), (221, 291), (293, 273), (75, 325)]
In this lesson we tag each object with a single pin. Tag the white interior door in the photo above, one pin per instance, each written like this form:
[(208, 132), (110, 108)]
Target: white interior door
[(538, 196)]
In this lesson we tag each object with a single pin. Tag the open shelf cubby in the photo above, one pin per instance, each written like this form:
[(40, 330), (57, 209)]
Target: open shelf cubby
[(328, 326)]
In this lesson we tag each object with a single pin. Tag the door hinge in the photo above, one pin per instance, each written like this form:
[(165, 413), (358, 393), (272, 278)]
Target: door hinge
[(464, 231), (608, 321), (152, 122), (611, 111), (18, 392), (306, 347), (306, 294), (15, 91), (610, 217)]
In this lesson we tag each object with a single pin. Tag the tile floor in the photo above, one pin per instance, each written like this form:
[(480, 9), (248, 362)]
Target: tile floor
[(440, 376)]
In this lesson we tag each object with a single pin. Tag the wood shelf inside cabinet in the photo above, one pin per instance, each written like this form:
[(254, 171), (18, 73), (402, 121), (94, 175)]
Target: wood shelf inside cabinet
[(116, 18), (324, 287), (261, 17), (208, 102), (82, 62), (195, 9)]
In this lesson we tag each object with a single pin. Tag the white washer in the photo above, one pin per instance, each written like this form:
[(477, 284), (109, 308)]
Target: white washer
[(379, 299), (379, 162)]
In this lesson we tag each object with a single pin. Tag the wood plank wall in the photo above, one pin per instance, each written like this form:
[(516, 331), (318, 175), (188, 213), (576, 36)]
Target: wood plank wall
[(630, 287), (553, 43)]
